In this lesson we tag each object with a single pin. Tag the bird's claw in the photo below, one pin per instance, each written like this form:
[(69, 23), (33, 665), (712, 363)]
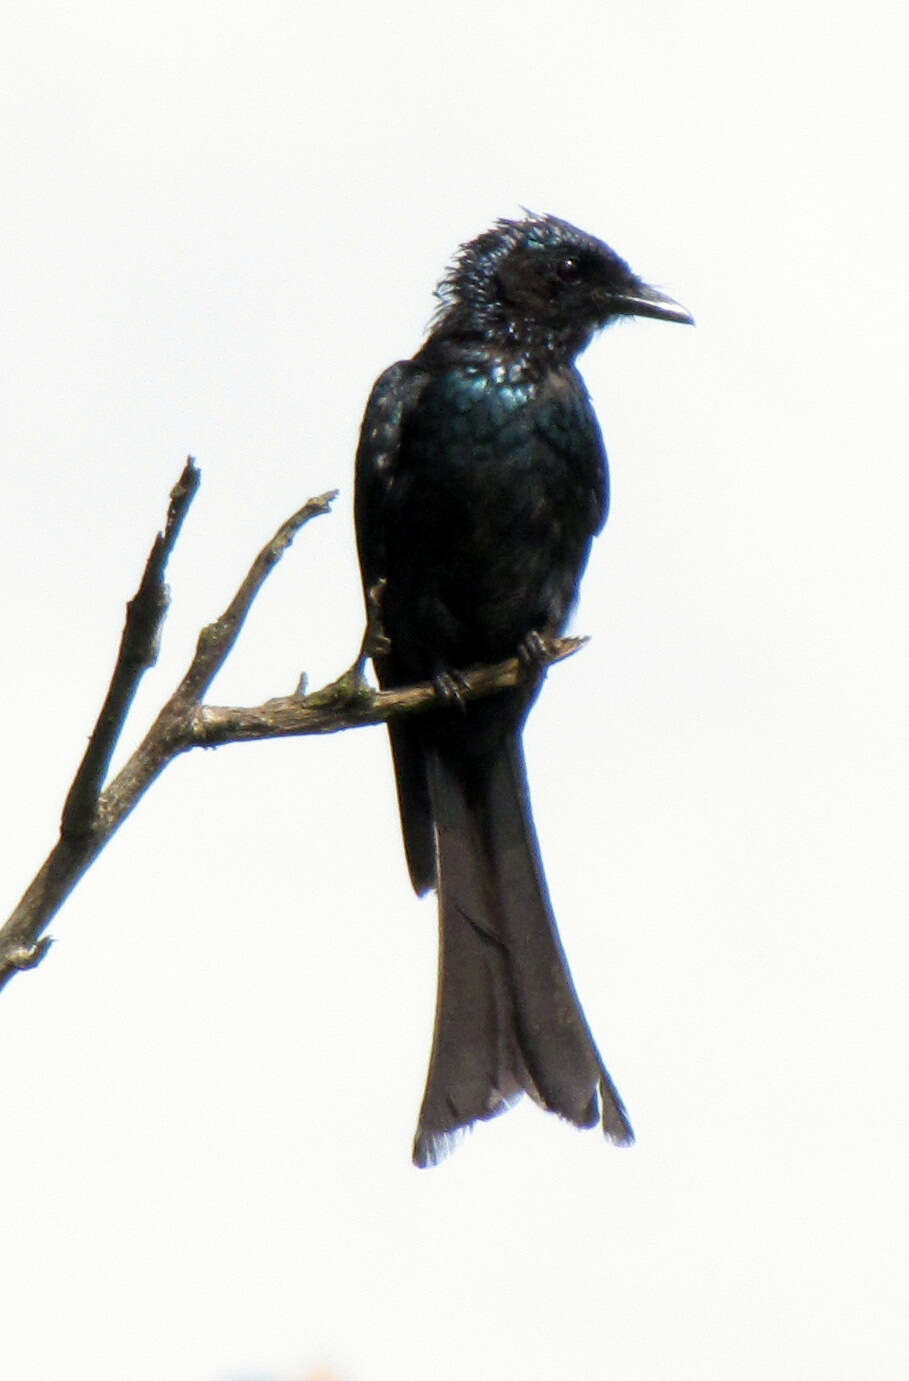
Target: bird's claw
[(451, 688), (535, 649)]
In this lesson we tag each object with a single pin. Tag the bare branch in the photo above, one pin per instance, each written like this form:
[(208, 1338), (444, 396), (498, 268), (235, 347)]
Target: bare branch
[(217, 640), (328, 711), (145, 613), (92, 815)]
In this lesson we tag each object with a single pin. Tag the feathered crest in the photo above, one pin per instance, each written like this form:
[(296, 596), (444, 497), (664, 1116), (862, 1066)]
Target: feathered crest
[(467, 277)]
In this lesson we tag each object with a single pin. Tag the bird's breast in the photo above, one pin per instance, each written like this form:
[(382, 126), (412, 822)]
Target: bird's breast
[(495, 518)]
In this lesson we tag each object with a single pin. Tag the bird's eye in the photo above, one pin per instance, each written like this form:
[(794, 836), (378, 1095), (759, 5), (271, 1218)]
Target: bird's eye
[(568, 269)]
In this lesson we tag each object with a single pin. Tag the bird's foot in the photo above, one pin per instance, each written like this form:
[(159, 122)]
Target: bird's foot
[(535, 649), (451, 687)]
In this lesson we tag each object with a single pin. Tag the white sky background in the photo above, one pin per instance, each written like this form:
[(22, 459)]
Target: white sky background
[(217, 228)]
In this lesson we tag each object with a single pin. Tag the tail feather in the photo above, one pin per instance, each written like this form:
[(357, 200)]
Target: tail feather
[(508, 1019), (476, 1066)]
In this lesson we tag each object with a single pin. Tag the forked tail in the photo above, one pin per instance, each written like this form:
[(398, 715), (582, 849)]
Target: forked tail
[(508, 1019)]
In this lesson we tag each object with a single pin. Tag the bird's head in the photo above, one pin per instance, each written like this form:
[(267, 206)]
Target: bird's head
[(542, 283)]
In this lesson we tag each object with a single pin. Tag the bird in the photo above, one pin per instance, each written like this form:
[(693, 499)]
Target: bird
[(481, 481)]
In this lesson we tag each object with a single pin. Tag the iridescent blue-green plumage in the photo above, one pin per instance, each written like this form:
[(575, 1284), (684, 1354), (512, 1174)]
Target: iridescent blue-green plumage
[(481, 482)]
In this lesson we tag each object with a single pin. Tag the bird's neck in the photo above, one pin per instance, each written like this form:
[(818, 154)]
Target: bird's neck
[(511, 351)]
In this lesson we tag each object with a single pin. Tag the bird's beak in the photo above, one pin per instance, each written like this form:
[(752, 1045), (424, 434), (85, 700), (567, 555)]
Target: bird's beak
[(639, 299)]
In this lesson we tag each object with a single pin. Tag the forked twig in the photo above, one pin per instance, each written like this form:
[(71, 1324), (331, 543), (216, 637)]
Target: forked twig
[(93, 812)]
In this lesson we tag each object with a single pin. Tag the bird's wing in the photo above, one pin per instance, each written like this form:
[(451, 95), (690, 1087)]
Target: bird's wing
[(378, 477), (393, 395)]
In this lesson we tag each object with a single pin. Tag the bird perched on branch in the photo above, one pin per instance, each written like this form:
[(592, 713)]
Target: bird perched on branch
[(481, 482)]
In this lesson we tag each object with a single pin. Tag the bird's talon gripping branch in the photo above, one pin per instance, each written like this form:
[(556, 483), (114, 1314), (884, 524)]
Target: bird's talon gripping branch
[(450, 688), (535, 650)]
